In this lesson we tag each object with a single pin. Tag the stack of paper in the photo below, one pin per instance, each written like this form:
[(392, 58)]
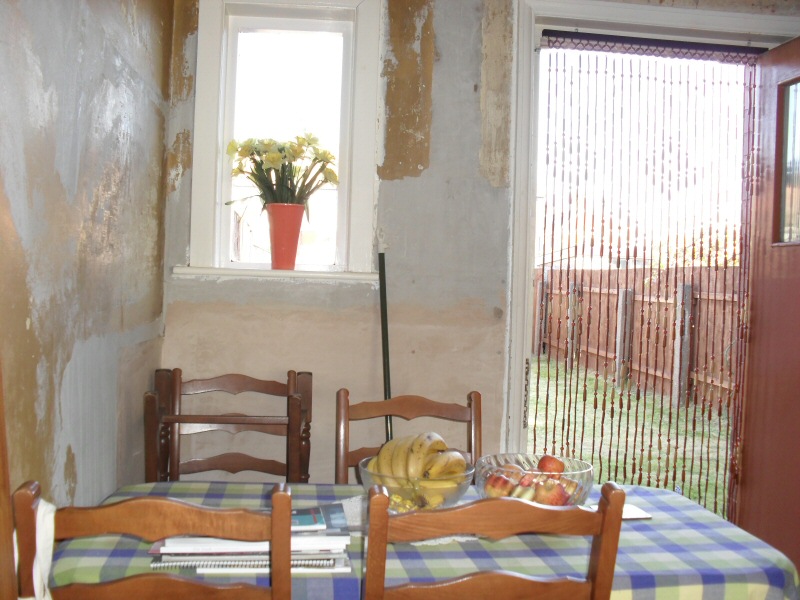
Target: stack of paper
[(319, 543)]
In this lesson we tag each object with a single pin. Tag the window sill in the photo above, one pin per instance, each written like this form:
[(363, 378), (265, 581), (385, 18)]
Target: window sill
[(182, 272)]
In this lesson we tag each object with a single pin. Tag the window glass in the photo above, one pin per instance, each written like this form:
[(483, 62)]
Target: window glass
[(287, 83), (272, 69), (790, 188)]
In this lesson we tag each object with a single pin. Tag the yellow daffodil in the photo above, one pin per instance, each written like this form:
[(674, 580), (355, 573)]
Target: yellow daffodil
[(288, 172), (272, 160), (331, 176), (323, 155)]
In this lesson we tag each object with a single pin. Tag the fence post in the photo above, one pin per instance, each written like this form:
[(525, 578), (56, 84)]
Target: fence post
[(624, 340), (574, 331), (684, 309), (540, 327)]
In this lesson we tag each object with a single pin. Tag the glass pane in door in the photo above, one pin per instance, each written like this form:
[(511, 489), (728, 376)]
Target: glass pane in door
[(790, 188)]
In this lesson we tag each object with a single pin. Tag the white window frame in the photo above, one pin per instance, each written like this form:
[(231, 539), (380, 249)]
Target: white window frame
[(209, 174), (594, 16)]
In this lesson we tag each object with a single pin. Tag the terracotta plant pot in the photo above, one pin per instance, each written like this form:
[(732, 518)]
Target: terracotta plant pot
[(284, 233)]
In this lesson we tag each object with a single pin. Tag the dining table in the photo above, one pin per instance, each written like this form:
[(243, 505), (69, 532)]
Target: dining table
[(674, 549)]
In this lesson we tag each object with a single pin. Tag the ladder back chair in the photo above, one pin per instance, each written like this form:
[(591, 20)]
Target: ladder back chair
[(496, 518), (406, 407), (166, 422), (151, 519)]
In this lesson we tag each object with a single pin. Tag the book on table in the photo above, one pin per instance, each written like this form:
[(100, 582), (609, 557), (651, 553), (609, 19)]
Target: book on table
[(319, 543), (320, 518), (305, 562)]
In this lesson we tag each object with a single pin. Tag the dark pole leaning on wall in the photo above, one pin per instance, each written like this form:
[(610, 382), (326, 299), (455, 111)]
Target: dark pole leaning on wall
[(387, 386)]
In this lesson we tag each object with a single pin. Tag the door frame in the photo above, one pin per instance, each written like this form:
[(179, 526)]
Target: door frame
[(592, 16)]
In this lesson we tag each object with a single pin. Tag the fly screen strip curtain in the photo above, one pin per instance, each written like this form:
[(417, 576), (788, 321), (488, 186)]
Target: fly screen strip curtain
[(642, 196)]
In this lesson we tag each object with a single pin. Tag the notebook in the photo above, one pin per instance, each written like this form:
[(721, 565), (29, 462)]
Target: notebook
[(312, 541), (227, 565)]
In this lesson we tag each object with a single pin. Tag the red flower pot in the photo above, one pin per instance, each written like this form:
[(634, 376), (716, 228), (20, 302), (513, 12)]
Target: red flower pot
[(284, 232)]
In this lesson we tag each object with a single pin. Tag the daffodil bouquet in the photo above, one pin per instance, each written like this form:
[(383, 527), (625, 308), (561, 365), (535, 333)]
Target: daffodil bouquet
[(285, 172)]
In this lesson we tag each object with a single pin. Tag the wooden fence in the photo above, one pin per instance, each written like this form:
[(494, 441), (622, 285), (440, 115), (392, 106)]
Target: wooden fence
[(674, 330)]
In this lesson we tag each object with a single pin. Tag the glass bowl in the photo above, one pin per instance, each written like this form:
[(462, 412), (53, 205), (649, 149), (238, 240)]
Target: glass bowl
[(418, 493), (522, 476)]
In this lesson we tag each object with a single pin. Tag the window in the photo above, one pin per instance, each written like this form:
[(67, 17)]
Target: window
[(325, 54)]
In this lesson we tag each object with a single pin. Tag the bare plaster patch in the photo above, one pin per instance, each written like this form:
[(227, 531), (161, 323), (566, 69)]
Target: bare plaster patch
[(179, 159), (70, 472), (19, 349), (184, 32), (408, 69), (497, 50)]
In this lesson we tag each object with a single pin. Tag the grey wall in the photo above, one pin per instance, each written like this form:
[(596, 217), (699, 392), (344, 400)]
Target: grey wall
[(446, 234), (82, 91)]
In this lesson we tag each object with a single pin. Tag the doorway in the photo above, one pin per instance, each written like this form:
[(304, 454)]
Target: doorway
[(641, 258), (662, 23)]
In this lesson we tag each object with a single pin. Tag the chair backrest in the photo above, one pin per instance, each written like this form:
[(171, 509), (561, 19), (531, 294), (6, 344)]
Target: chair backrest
[(152, 519), (406, 407), (497, 518), (166, 422)]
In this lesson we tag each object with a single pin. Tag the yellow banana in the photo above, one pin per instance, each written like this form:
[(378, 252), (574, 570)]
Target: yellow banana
[(400, 456), (430, 500), (372, 467), (422, 446), (385, 457), (442, 464), (435, 492)]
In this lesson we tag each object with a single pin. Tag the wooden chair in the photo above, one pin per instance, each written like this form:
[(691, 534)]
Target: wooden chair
[(406, 407), (166, 423), (496, 518), (152, 519)]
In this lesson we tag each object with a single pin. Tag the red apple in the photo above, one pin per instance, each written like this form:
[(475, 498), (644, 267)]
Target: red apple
[(570, 485), (551, 492), (550, 464), (529, 478), (513, 472), (524, 492), (497, 485)]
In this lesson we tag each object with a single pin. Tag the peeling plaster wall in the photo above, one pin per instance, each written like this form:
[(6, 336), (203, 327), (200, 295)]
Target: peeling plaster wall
[(94, 163), (443, 212), (497, 42), (446, 280), (82, 89), (774, 7), (408, 72)]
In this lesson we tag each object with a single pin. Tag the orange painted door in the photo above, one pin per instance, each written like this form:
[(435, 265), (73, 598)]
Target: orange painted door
[(769, 492)]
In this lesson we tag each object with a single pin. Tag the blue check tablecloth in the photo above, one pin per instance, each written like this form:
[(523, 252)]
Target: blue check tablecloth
[(683, 551)]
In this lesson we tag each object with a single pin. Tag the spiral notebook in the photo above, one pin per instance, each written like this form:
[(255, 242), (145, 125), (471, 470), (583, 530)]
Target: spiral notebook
[(338, 563)]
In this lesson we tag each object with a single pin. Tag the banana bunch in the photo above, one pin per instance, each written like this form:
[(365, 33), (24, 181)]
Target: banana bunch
[(412, 467)]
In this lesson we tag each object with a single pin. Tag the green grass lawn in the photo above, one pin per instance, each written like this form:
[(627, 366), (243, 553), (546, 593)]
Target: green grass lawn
[(630, 435)]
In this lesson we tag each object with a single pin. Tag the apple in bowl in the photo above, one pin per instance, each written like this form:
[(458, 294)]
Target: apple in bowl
[(543, 478)]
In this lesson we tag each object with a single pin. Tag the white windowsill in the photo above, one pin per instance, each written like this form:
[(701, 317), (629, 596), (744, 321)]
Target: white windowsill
[(225, 273)]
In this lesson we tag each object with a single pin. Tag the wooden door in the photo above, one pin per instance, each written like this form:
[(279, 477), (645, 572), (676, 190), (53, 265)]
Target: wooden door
[(769, 492), (8, 584)]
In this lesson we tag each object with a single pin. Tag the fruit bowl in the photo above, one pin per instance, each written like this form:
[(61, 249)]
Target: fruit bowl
[(543, 478), (418, 493)]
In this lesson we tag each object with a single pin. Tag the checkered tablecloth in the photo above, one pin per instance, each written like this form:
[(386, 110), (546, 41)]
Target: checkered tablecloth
[(683, 551)]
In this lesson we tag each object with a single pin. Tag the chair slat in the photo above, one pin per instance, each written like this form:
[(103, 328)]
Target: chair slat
[(166, 422)]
